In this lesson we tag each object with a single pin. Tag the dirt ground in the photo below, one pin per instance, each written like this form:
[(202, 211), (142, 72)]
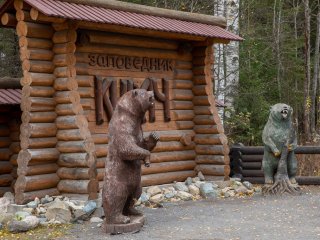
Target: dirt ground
[(258, 217)]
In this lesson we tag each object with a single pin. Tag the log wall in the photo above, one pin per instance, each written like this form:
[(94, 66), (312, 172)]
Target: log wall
[(211, 144), (173, 158), (36, 161)]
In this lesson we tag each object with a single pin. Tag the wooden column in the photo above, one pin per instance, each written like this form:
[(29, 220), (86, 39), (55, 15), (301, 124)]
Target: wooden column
[(211, 143), (77, 161), (36, 168)]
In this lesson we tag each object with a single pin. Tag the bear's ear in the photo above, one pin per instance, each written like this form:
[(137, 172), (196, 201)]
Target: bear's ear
[(134, 93)]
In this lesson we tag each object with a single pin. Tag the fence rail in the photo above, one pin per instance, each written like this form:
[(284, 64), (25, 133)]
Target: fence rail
[(246, 163)]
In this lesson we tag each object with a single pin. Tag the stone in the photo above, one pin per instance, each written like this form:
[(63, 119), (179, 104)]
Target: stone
[(207, 191), (194, 190), (154, 190), (30, 222), (4, 203), (6, 217), (99, 225), (46, 199), (42, 220), (198, 184), (29, 210), (58, 211), (241, 190), (9, 196), (169, 195), (235, 179), (185, 196), (157, 198), (96, 220), (21, 215), (201, 177), (179, 186), (144, 197), (74, 206), (223, 184), (13, 208), (195, 179), (248, 185), (89, 207), (98, 213), (32, 204), (188, 181)]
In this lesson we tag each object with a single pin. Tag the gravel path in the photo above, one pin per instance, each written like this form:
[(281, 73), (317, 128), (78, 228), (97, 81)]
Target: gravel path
[(275, 218)]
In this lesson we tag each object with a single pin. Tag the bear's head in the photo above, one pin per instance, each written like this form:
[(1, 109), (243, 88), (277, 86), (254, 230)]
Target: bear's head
[(137, 101), (281, 112)]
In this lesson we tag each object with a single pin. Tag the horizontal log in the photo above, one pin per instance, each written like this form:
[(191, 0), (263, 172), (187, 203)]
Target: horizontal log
[(211, 149), (73, 160), (101, 150), (5, 180), (5, 142), (37, 54), (65, 72), (62, 97), (37, 79), (74, 146), (38, 16), (251, 165), (86, 92), (62, 48), (37, 91), (71, 122), (182, 94), (73, 134), (251, 158), (38, 143), (183, 125), (15, 147), (38, 130), (208, 129), (8, 20), (40, 169), (65, 84), (183, 115), (5, 167), (204, 120), (101, 162), (25, 197), (182, 105), (15, 136), (213, 170), (130, 51), (73, 173), (85, 80), (8, 82), (200, 70), (3, 190), (254, 180), (252, 173), (125, 40), (65, 59), (183, 74), (199, 80), (35, 43), (207, 139), (64, 36), (38, 66), (74, 186), (68, 109), (100, 138), (38, 117), (172, 156), (23, 15), (4, 130), (200, 61), (164, 178), (37, 156), (216, 178), (212, 159), (185, 65), (38, 182), (37, 104), (168, 167), (182, 84), (201, 101), (100, 174), (172, 146), (202, 110), (308, 180), (14, 159)]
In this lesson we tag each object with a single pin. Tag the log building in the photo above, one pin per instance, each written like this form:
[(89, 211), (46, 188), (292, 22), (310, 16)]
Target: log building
[(78, 57)]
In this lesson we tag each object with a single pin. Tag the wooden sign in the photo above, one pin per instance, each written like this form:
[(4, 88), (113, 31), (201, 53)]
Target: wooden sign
[(106, 95), (130, 63)]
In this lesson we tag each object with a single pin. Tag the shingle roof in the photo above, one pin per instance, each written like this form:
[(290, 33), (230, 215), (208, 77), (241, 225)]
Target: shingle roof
[(10, 96)]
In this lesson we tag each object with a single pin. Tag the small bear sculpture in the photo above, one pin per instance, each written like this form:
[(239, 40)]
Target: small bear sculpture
[(277, 134), (126, 149)]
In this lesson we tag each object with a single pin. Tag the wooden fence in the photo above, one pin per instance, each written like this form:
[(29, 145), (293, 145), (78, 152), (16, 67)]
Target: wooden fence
[(246, 163)]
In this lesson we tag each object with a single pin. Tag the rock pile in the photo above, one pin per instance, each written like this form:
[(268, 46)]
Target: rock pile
[(59, 210)]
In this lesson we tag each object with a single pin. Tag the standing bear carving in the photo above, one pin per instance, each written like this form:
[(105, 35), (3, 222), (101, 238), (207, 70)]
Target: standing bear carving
[(277, 133), (127, 148)]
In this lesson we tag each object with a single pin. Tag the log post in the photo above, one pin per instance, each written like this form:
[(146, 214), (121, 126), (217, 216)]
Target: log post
[(206, 121), (75, 143), (38, 155)]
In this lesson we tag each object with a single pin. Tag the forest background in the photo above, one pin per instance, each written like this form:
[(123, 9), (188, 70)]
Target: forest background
[(278, 62)]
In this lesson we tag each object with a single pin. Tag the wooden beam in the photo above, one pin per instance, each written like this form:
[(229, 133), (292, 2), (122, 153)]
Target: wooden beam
[(8, 82)]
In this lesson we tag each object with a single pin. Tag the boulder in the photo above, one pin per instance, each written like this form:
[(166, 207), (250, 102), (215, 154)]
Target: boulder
[(58, 211), (157, 198), (201, 177), (144, 197), (154, 190), (30, 222), (179, 186), (248, 185), (6, 217), (185, 196), (188, 181), (207, 191), (194, 190), (96, 220)]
